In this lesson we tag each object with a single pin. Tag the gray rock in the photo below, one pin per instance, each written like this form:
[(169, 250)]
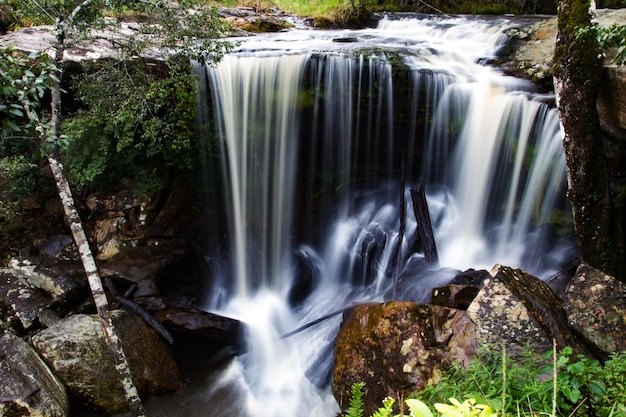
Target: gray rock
[(595, 304), (28, 386), (30, 286), (75, 349), (517, 310)]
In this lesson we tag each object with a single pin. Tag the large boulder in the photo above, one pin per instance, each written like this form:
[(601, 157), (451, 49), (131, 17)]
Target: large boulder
[(28, 386), (517, 310), (595, 304), (75, 349), (398, 347)]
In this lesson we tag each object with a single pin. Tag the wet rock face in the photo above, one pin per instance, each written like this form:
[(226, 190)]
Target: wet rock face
[(604, 323), (27, 387), (75, 350), (398, 347)]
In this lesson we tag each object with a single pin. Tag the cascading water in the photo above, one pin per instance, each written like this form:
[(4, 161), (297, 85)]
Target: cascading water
[(317, 132)]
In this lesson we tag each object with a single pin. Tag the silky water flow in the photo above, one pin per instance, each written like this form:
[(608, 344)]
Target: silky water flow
[(319, 135)]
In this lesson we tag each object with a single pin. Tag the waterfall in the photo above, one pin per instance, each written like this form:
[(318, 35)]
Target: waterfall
[(314, 138)]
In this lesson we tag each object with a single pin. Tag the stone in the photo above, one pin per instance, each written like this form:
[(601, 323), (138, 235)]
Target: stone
[(60, 279), (595, 304), (398, 347), (203, 326), (135, 264), (30, 286), (21, 302), (519, 311), (28, 386), (75, 349), (612, 100), (454, 296)]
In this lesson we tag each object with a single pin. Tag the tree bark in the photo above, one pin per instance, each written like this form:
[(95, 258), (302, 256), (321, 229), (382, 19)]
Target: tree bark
[(112, 341), (577, 71), (424, 226)]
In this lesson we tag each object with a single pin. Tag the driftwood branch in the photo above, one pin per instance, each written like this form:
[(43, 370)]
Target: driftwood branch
[(135, 308), (400, 237), (314, 322), (424, 226)]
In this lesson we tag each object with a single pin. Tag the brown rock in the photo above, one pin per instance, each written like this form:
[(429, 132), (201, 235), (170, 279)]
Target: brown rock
[(398, 347)]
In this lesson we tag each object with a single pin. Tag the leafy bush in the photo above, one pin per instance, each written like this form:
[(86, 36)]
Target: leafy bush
[(612, 40), (522, 387), (17, 180), (149, 115)]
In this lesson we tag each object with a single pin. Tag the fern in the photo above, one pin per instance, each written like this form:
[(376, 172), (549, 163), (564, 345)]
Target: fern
[(356, 400), (386, 409)]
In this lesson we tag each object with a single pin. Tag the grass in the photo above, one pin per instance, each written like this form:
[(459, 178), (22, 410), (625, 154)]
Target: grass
[(559, 384)]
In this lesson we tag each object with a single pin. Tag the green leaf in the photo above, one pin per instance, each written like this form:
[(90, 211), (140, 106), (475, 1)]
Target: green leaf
[(16, 112), (418, 408), (12, 125)]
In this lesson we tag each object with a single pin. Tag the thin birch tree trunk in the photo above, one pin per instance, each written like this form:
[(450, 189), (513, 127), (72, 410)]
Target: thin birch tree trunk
[(111, 338)]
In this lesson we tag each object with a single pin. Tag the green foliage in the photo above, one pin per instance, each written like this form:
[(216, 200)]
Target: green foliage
[(356, 400), (520, 384), (495, 385), (24, 81), (149, 115), (417, 408), (467, 408), (17, 180), (613, 37), (602, 386), (387, 409)]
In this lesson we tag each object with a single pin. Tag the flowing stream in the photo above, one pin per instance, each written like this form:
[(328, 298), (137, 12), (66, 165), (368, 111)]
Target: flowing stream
[(320, 134)]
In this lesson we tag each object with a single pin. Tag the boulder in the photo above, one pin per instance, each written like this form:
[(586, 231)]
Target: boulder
[(595, 304), (398, 347), (30, 286), (75, 349), (517, 310), (28, 386)]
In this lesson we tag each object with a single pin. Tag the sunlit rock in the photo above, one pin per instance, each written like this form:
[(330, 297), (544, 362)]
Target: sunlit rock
[(398, 347), (596, 307), (74, 348), (28, 387)]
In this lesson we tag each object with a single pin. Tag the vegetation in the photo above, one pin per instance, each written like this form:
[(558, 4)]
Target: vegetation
[(526, 386), (612, 40)]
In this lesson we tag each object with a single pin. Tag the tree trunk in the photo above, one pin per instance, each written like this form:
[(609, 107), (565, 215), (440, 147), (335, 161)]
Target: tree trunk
[(71, 214), (577, 71)]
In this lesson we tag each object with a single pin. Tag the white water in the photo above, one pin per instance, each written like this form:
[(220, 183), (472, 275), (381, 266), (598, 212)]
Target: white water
[(490, 157)]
